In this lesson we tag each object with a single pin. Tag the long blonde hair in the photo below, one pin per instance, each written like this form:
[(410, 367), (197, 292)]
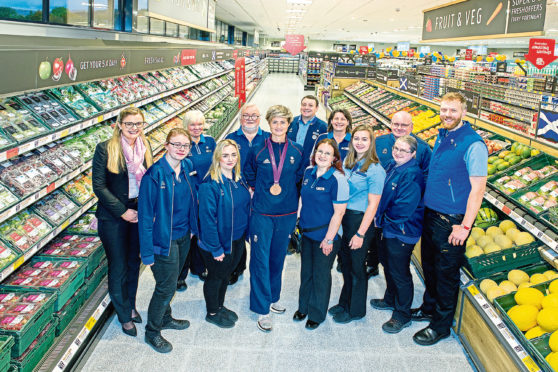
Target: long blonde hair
[(115, 161), (370, 157), (215, 171)]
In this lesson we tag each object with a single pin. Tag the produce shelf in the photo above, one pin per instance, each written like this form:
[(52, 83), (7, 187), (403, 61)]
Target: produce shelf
[(368, 109), (28, 254), (64, 132), (67, 347)]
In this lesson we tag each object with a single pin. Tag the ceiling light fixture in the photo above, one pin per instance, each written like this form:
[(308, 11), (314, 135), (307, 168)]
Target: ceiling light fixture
[(300, 2), (296, 10)]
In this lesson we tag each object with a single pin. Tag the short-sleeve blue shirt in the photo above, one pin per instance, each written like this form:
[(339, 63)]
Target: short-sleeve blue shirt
[(363, 183), (476, 159), (343, 146), (318, 195)]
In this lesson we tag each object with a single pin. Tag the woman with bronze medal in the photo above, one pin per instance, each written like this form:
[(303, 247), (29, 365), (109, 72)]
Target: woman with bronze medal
[(273, 169)]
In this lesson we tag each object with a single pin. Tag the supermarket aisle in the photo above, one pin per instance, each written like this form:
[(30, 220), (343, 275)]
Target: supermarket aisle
[(358, 346)]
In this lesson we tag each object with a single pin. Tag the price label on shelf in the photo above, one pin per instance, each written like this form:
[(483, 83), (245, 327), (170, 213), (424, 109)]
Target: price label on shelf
[(100, 118), (530, 364), (90, 323), (506, 210), (19, 262)]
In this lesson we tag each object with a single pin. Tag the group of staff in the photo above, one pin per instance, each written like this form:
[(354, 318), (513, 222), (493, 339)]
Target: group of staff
[(360, 198)]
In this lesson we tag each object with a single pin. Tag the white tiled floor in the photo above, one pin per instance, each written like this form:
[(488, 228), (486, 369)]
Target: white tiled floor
[(357, 346)]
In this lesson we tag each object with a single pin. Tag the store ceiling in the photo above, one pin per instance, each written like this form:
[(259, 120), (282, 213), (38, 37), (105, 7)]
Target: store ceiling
[(350, 20)]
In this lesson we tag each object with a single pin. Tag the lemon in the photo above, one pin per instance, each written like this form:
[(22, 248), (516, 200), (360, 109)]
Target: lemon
[(534, 332), (538, 278), (506, 225), (523, 238), (508, 286), (492, 231), (550, 274), (548, 318), (553, 341), (529, 296), (512, 233), (524, 316), (483, 241), (552, 360), (470, 242), (518, 276), (550, 300), (494, 292), (476, 232), (553, 287), (524, 285)]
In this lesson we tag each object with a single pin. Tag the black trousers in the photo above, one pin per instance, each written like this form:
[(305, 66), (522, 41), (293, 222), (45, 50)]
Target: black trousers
[(353, 267), (440, 263), (315, 278), (372, 257), (121, 243), (194, 261), (395, 257), (241, 264), (218, 273), (165, 271)]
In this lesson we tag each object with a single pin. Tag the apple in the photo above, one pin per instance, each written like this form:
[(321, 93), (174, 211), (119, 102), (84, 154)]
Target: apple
[(57, 68), (44, 70)]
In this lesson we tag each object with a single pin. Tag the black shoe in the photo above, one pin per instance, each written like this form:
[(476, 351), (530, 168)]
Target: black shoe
[(176, 324), (298, 316), (203, 276), (310, 324), (428, 336), (334, 310), (338, 268), (233, 278), (159, 344), (372, 271), (380, 304), (394, 326), (420, 316), (181, 285), (130, 332), (344, 317), (219, 320), (137, 318), (229, 314)]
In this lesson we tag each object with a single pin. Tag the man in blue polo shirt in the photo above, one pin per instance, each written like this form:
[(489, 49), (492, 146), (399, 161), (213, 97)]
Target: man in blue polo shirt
[(248, 135), (452, 198), (401, 125), (306, 127)]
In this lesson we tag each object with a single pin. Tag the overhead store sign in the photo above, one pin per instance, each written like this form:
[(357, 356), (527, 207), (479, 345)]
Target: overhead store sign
[(475, 19), (541, 52), (195, 13), (294, 44)]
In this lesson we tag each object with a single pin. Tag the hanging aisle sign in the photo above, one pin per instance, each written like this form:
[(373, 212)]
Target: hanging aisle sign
[(240, 80), (541, 52), (477, 19)]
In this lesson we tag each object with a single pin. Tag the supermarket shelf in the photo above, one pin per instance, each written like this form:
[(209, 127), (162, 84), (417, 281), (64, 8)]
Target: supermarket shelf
[(368, 109), (503, 100), (28, 254), (511, 116), (523, 360), (63, 354), (504, 130), (65, 178), (53, 136), (553, 244)]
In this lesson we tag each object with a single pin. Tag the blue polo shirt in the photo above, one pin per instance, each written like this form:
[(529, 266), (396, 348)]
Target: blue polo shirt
[(244, 145), (201, 155), (318, 194), (363, 183), (343, 146), (241, 207), (181, 206), (384, 145), (305, 134)]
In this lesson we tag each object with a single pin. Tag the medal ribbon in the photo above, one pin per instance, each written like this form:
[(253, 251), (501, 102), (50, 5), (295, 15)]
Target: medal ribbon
[(277, 170)]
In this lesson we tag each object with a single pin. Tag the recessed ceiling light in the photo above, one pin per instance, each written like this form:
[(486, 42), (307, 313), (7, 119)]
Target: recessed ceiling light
[(301, 2), (295, 10)]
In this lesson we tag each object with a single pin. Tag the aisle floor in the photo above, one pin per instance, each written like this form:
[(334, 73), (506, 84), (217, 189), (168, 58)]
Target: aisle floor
[(357, 346)]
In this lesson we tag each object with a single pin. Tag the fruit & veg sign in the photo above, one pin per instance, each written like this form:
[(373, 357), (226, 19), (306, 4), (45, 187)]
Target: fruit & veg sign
[(473, 19)]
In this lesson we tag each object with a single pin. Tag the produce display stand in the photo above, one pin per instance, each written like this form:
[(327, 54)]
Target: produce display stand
[(487, 338), (89, 318)]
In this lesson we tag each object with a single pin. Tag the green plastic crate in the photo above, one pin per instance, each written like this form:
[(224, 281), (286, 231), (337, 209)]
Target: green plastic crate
[(29, 360), (6, 343), (502, 305), (24, 337), (535, 187), (92, 261), (69, 311), (93, 281), (541, 350)]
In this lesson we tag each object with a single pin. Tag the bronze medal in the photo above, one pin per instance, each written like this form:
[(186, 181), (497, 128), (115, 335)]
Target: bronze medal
[(275, 189)]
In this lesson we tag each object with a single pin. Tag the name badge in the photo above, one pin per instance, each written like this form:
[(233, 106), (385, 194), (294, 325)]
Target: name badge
[(320, 188)]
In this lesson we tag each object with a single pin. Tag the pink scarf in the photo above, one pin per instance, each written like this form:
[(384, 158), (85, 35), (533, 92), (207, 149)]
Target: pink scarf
[(134, 157)]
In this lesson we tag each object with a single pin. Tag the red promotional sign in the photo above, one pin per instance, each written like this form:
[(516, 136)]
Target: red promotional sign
[(240, 80), (411, 53), (363, 50), (469, 54), (188, 57), (541, 52), (294, 44)]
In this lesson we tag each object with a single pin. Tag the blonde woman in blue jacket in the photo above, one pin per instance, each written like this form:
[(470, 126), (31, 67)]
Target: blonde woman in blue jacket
[(224, 211)]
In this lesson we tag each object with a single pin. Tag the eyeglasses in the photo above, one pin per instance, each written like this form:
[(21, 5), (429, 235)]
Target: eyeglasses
[(179, 146), (250, 117), (130, 124), (397, 149), (326, 153), (400, 125)]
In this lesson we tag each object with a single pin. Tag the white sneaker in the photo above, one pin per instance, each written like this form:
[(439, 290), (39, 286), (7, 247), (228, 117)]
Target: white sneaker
[(264, 323), (277, 308)]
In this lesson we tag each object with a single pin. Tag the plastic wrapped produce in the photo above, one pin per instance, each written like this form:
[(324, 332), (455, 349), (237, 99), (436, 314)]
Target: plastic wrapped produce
[(24, 230), (72, 98)]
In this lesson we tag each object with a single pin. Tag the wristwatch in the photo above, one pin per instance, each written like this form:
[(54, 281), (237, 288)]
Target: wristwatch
[(360, 236), (329, 241)]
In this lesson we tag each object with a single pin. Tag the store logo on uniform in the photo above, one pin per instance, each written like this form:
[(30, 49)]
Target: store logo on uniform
[(384, 151), (163, 185), (266, 161), (305, 182), (255, 238), (292, 160)]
